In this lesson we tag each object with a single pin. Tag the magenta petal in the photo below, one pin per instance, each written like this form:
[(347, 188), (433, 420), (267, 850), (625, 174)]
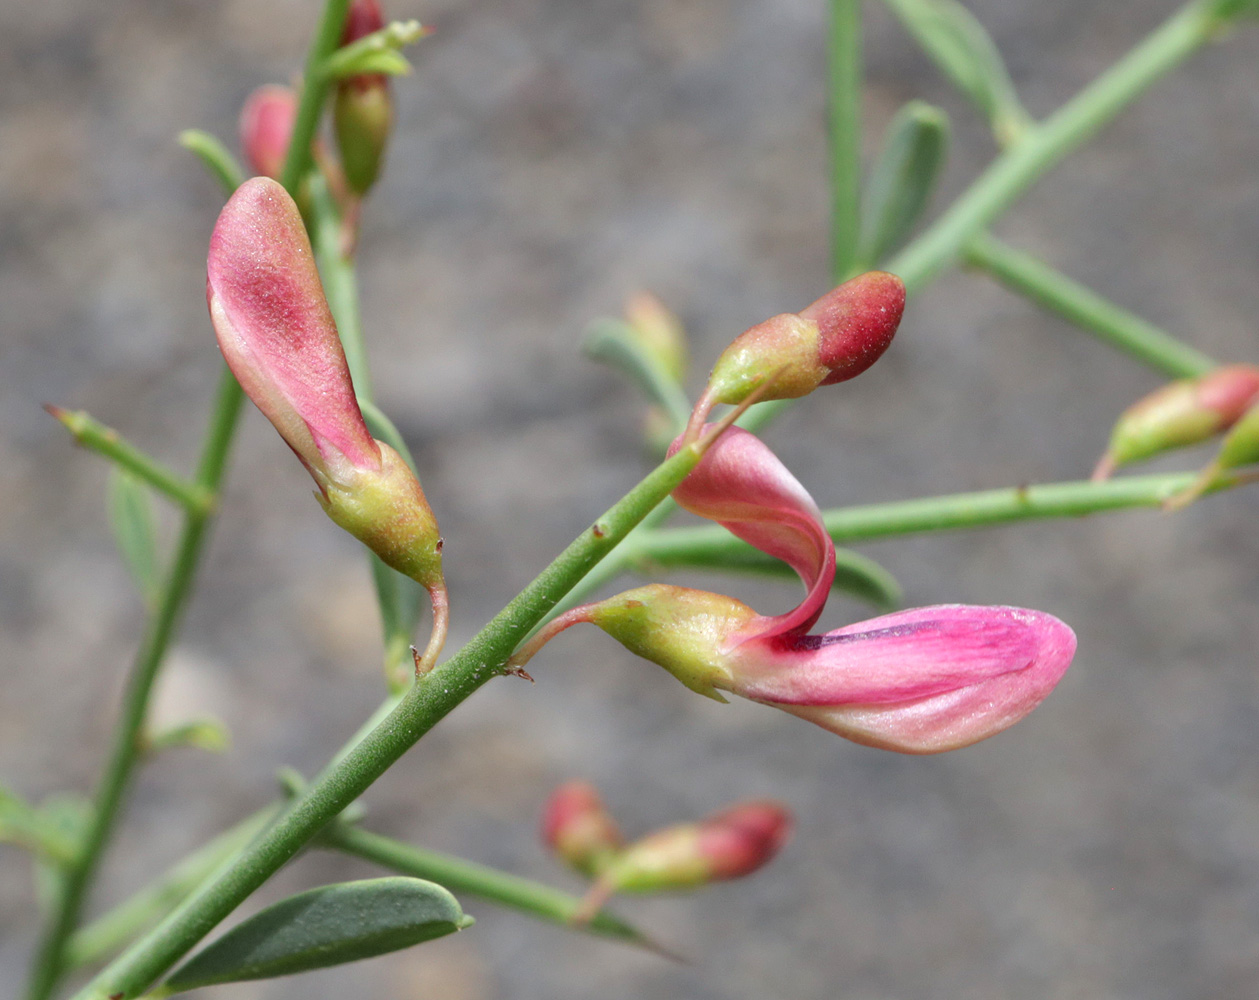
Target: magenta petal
[(918, 681), (277, 334), (742, 485)]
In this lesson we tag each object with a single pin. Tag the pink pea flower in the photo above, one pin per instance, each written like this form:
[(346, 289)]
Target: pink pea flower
[(278, 337), (919, 681)]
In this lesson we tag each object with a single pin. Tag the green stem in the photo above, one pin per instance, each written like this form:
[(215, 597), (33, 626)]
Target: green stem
[(943, 513), (844, 60), (112, 930), (50, 958), (422, 707), (314, 92), (1085, 308), (467, 877), (108, 442), (1041, 146)]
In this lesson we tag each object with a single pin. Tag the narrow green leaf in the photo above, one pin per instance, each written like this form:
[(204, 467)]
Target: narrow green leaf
[(375, 53), (965, 53), (614, 343), (214, 157), (327, 926), (135, 532), (902, 180), (855, 574), (202, 734), (26, 826)]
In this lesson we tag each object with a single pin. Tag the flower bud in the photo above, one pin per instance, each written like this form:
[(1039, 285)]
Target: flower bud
[(362, 110), (578, 829), (1181, 413), (729, 844), (266, 127), (836, 338), (278, 336)]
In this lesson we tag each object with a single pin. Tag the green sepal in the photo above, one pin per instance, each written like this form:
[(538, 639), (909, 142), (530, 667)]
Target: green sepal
[(1241, 444), (964, 52), (214, 156), (902, 180), (135, 532), (330, 925)]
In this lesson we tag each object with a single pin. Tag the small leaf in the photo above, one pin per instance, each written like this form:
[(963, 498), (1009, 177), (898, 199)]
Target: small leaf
[(24, 825), (326, 926), (214, 157), (965, 53), (902, 179), (202, 734), (616, 344), (135, 531), (375, 53)]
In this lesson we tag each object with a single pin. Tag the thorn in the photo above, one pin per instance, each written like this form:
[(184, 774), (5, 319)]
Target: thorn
[(518, 671)]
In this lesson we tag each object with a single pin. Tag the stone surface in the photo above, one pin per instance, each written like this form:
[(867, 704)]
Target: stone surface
[(553, 157)]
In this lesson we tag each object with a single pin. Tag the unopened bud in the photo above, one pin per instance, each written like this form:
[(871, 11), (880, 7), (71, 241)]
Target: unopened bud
[(362, 112), (836, 338), (729, 844), (578, 829), (1180, 414), (266, 127)]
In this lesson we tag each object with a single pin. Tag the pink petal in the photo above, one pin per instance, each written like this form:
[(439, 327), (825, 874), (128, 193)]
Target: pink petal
[(266, 126), (918, 681), (277, 334), (742, 485)]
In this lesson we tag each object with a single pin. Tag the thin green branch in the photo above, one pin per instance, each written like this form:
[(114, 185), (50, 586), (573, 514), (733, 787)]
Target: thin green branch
[(1043, 145), (423, 706), (844, 60), (106, 441), (942, 513), (50, 957), (314, 93), (112, 930), (466, 877), (1082, 306)]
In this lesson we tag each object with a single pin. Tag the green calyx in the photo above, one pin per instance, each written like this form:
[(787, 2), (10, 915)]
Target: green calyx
[(786, 343), (386, 510), (362, 118), (680, 629)]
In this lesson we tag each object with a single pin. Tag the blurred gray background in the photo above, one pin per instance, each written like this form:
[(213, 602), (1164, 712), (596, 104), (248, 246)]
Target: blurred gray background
[(552, 157)]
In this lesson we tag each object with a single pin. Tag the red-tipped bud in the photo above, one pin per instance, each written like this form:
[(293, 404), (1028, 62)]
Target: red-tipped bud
[(836, 338), (1180, 414), (362, 110), (266, 126), (729, 844), (278, 336), (578, 829)]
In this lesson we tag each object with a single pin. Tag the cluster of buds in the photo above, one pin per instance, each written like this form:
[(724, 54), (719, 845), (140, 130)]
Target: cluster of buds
[(279, 339), (1187, 412), (362, 118), (919, 681), (732, 843)]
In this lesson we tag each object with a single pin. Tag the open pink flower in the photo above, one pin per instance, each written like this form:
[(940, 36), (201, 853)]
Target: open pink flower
[(918, 681)]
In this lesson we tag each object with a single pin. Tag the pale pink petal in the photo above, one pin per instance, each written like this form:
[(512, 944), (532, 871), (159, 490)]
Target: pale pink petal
[(266, 127), (919, 681), (277, 333), (743, 486)]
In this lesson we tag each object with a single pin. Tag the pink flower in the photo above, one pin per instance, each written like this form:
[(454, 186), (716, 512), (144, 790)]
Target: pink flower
[(278, 337), (577, 827), (918, 681)]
